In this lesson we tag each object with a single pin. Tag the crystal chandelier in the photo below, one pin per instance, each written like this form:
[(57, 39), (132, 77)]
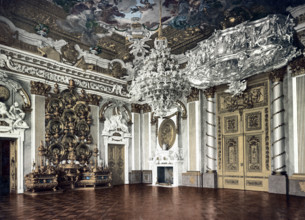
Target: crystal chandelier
[(159, 82)]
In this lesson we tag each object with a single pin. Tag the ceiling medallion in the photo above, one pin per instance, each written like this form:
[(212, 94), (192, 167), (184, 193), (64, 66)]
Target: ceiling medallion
[(159, 82)]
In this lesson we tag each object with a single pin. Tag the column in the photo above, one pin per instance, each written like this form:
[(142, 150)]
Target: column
[(209, 178), (278, 142), (278, 181), (211, 130)]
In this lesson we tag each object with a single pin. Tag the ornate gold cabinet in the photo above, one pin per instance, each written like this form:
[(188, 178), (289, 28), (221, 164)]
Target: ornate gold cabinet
[(243, 139)]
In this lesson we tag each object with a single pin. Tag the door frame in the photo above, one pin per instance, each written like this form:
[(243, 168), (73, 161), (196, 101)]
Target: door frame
[(17, 136), (118, 138)]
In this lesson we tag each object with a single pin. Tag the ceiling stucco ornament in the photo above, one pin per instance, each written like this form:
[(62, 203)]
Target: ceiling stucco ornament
[(231, 55), (34, 39)]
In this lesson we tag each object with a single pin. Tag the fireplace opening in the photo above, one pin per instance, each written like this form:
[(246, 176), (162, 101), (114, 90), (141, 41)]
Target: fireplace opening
[(165, 175)]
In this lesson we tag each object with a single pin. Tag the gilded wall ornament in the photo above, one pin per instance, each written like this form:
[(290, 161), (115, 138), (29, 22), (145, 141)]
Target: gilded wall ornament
[(167, 134), (39, 88), (68, 121)]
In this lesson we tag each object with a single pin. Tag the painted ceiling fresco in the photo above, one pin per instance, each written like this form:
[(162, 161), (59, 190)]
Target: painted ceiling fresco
[(84, 16), (177, 13)]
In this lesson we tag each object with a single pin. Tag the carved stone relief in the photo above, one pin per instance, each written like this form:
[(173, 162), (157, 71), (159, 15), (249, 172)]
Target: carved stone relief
[(116, 117)]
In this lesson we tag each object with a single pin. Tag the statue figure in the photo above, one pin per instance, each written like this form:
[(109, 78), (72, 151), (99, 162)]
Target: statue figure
[(3, 111), (14, 117), (115, 121), (16, 114)]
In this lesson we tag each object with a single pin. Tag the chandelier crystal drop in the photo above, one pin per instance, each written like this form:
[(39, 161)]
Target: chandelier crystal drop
[(159, 82)]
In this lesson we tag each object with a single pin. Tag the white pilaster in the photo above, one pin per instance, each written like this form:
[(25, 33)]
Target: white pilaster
[(37, 124)]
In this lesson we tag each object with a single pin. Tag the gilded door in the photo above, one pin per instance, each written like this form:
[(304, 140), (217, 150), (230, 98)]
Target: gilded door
[(116, 163), (243, 139)]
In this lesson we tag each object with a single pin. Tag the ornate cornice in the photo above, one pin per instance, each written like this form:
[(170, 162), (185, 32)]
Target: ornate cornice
[(39, 88), (278, 75), (298, 66), (209, 92), (194, 95), (41, 68)]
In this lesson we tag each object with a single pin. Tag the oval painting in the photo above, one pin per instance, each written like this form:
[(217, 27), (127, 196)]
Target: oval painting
[(167, 134)]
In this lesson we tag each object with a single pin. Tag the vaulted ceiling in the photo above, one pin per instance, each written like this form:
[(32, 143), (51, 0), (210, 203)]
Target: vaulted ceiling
[(106, 23)]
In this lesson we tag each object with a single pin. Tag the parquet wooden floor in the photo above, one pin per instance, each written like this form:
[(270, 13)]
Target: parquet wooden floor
[(147, 202)]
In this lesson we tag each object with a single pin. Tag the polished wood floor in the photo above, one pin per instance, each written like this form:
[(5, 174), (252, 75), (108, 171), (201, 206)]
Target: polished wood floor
[(147, 202)]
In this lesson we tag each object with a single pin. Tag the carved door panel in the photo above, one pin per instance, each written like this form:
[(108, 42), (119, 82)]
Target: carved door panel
[(233, 152), (256, 144), (116, 163), (13, 166)]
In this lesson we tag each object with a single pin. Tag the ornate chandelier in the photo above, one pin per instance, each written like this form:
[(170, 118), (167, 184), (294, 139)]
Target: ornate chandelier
[(159, 82)]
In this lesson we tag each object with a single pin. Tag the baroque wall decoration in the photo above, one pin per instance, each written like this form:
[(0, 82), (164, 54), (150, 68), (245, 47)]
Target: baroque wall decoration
[(236, 53), (255, 96), (45, 69), (68, 121)]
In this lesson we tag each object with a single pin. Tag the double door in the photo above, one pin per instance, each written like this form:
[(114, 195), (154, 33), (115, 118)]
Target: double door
[(245, 150)]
